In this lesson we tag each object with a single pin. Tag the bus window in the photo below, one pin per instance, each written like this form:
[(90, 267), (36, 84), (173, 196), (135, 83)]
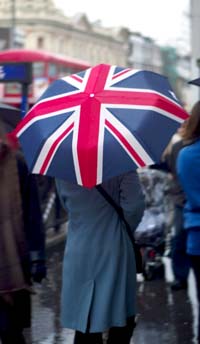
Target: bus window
[(38, 69), (52, 70), (64, 71), (13, 88)]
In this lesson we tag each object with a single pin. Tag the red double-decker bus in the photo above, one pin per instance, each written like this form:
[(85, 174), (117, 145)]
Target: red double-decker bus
[(46, 67)]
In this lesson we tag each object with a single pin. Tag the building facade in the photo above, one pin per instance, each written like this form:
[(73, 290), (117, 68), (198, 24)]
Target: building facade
[(40, 25), (46, 27), (144, 53), (195, 44), (177, 68)]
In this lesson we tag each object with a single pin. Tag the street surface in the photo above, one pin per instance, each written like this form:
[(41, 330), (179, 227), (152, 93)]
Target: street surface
[(164, 317)]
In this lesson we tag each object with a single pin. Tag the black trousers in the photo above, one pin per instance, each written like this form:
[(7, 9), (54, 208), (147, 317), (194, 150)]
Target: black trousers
[(15, 337), (180, 259), (14, 317), (195, 263), (116, 335)]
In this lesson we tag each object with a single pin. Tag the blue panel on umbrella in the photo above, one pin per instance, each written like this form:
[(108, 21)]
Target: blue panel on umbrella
[(81, 74), (148, 80), (119, 69), (48, 126), (115, 160), (62, 165), (151, 129), (56, 88)]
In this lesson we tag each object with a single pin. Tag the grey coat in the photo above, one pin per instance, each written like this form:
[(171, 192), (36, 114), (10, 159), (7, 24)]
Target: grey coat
[(99, 275)]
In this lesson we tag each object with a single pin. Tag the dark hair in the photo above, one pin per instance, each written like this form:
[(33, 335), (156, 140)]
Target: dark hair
[(190, 130)]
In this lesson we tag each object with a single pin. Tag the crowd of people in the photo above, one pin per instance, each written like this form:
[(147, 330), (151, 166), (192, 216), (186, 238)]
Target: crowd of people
[(99, 293)]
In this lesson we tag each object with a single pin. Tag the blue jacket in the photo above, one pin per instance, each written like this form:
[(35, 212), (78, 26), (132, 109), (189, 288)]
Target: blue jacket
[(188, 169), (99, 275)]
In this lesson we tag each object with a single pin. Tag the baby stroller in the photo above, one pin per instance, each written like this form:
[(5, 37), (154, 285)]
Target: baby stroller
[(150, 235)]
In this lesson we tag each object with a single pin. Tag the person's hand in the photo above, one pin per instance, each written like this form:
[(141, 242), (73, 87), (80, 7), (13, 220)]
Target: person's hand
[(38, 270), (7, 297)]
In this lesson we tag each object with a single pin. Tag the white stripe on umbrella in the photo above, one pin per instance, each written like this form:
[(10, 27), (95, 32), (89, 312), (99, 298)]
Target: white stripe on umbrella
[(74, 146), (38, 118), (48, 144), (77, 81), (100, 146), (146, 107), (54, 97), (130, 138), (114, 78)]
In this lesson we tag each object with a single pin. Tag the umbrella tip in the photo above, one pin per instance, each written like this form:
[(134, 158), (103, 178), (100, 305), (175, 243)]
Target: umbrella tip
[(195, 82)]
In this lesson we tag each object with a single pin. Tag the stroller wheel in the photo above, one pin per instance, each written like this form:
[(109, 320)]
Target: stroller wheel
[(153, 267), (148, 273), (152, 272)]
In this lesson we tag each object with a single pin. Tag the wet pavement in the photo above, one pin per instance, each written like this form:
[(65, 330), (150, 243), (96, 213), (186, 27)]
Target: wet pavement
[(163, 316)]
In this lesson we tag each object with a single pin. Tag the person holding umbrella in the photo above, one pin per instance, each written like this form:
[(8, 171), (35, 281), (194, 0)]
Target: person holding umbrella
[(91, 129), (99, 274), (188, 169)]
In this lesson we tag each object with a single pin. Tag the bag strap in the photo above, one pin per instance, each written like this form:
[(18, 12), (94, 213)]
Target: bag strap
[(118, 209)]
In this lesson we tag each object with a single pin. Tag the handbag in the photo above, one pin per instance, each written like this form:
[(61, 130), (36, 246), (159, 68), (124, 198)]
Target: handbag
[(119, 210)]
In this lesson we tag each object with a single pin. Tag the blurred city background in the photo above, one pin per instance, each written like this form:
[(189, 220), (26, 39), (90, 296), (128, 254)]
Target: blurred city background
[(46, 26), (56, 43)]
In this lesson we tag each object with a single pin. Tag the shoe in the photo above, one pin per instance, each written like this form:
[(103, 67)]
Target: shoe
[(178, 285)]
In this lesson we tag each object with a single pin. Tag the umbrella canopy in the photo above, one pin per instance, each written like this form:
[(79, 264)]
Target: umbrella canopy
[(10, 116), (102, 122), (195, 82)]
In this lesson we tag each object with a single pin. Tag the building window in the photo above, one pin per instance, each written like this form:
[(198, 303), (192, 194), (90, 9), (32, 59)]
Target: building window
[(40, 42), (53, 70), (38, 69)]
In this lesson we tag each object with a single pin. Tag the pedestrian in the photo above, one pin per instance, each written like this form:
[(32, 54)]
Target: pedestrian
[(179, 257), (21, 242), (188, 169), (99, 273)]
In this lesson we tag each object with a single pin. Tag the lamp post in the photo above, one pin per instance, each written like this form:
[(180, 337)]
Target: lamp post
[(13, 24)]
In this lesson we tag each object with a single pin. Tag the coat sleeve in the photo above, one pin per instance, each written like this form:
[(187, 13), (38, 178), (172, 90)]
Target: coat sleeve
[(33, 223), (60, 187), (132, 199), (189, 177)]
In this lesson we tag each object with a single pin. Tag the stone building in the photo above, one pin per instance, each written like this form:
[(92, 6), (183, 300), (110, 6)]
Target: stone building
[(195, 44), (40, 25), (144, 53), (46, 27)]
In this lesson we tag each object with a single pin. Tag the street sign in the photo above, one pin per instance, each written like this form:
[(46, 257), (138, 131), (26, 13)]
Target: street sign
[(16, 72)]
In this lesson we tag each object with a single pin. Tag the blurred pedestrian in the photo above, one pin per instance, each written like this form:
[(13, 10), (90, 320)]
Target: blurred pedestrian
[(99, 273), (188, 169), (21, 243), (180, 259)]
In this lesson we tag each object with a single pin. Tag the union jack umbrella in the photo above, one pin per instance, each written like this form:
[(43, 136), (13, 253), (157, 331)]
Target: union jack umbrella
[(99, 123)]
